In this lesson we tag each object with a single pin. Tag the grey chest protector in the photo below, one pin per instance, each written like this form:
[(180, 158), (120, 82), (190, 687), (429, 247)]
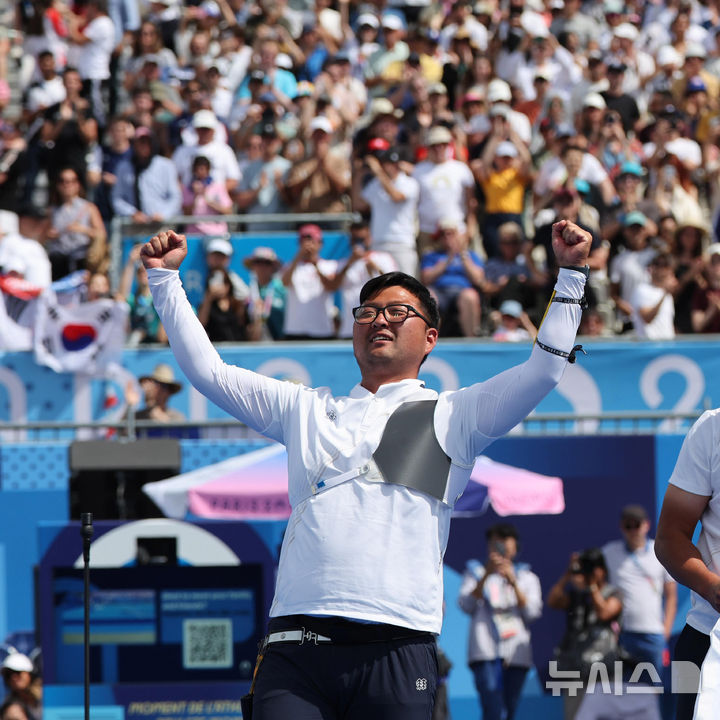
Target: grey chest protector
[(409, 454)]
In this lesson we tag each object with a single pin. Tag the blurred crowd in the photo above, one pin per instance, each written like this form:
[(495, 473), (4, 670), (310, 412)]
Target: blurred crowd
[(459, 131)]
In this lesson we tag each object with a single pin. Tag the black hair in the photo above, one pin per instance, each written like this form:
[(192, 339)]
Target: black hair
[(400, 279), (591, 559), (200, 160), (502, 531), (359, 224)]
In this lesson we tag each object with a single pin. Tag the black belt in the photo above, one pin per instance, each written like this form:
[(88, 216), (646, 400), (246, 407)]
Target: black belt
[(300, 629)]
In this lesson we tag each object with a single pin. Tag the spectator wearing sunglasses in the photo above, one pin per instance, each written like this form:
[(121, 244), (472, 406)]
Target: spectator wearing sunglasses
[(649, 594)]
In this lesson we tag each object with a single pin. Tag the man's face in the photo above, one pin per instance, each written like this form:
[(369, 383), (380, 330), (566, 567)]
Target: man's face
[(438, 153), (507, 547), (217, 261), (393, 348), (634, 530)]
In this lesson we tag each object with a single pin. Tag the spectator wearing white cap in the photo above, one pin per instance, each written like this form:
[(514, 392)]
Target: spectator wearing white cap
[(694, 66), (554, 60), (639, 66), (30, 253), (223, 163), (460, 17), (320, 182), (504, 171), (500, 94), (447, 188), (384, 66), (22, 682), (218, 254), (667, 62)]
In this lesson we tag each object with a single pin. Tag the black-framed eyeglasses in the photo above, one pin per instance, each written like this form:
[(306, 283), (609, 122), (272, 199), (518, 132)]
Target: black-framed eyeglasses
[(631, 524), (395, 313)]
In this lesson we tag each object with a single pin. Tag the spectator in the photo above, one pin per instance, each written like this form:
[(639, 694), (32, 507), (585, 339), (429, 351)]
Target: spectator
[(689, 265), (363, 264), (309, 308), (15, 710), (320, 182), (502, 597), (592, 605), (94, 33), (511, 275), (145, 326), (146, 187), (16, 250), (513, 324), (391, 197), (281, 82), (148, 44), (384, 65), (455, 276), (223, 163), (648, 593), (22, 683), (118, 149), (503, 172), (158, 388), (267, 294), (13, 164), (223, 316), (218, 254), (706, 301), (617, 99), (629, 267), (75, 237), (45, 92), (205, 196), (653, 308), (262, 189), (446, 189)]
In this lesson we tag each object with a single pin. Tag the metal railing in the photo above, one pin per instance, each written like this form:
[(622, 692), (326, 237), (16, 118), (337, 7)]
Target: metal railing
[(541, 424), (119, 225)]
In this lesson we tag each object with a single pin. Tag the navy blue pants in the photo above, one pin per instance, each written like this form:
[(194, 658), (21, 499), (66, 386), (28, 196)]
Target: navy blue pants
[(382, 680)]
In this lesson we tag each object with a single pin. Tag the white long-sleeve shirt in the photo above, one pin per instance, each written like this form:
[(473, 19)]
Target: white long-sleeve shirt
[(365, 549)]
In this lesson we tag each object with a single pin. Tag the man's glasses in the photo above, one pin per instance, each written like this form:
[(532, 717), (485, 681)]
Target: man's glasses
[(631, 525), (397, 313)]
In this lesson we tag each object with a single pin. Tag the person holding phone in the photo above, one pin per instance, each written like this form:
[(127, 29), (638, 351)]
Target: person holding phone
[(502, 597)]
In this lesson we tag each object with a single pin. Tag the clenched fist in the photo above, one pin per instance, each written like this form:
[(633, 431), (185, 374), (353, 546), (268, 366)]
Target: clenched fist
[(571, 243), (167, 250)]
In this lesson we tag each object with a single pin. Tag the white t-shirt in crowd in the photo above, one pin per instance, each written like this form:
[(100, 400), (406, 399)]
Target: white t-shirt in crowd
[(641, 579), (309, 307), (442, 192), (223, 163), (553, 173), (697, 471), (94, 57), (662, 326), (629, 269), (390, 221)]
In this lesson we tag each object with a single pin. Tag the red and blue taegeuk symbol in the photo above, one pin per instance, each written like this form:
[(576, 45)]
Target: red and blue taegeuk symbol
[(77, 336)]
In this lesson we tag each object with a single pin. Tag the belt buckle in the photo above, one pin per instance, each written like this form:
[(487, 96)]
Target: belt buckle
[(308, 635)]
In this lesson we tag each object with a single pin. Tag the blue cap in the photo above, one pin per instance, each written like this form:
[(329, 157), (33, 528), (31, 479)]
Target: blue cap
[(582, 186), (631, 168), (635, 217), (512, 308), (695, 84)]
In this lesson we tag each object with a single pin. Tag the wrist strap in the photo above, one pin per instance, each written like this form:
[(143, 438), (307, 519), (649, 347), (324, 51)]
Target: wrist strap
[(582, 302), (571, 356), (584, 269)]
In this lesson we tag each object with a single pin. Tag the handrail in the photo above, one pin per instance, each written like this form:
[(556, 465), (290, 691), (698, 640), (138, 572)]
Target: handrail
[(118, 223), (623, 422)]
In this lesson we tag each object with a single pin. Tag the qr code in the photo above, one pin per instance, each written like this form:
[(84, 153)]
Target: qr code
[(207, 643)]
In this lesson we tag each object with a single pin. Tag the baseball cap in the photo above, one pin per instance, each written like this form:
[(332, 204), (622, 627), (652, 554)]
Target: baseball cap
[(321, 123), (513, 308), (626, 31), (142, 132), (219, 245), (17, 662), (695, 84), (448, 223), (594, 100), (205, 119), (565, 194), (631, 168), (634, 512), (310, 229), (713, 249), (617, 66), (368, 19), (391, 21), (439, 135), (668, 55), (506, 149), (378, 144), (695, 50), (500, 109), (615, 7), (472, 96), (437, 89), (635, 217), (498, 91), (261, 254), (256, 76)]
